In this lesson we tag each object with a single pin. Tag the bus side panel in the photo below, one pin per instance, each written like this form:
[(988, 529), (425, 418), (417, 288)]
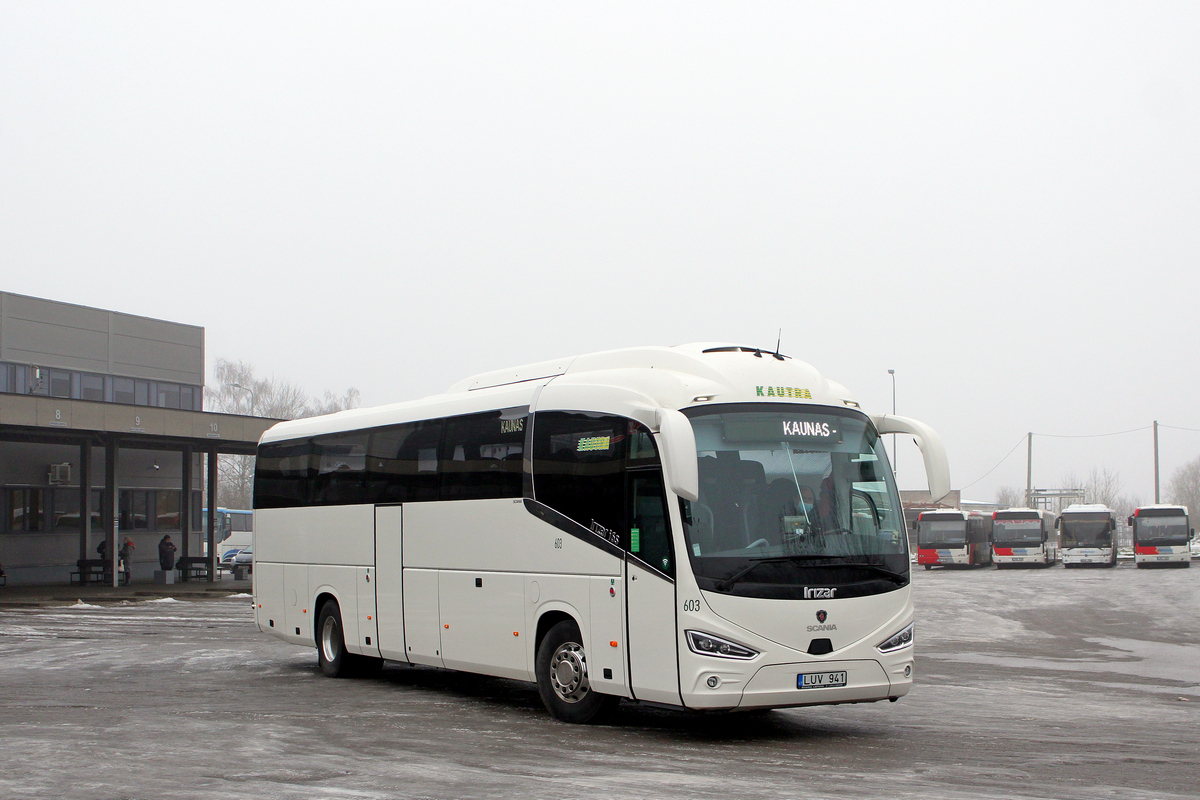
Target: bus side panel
[(422, 622), (317, 535), (268, 598), (339, 582), (482, 616), (389, 582), (368, 634), (608, 617), (496, 536), (298, 625)]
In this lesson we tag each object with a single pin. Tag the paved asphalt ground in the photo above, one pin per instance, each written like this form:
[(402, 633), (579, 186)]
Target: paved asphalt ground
[(1030, 684)]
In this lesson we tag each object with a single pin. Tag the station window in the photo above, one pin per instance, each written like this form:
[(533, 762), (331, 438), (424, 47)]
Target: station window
[(135, 509), (24, 510), (168, 395), (91, 387), (60, 382), (123, 391), (166, 509)]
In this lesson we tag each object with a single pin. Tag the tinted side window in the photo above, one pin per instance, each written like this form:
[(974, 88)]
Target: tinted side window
[(578, 468), (281, 475), (402, 462), (341, 462), (481, 455)]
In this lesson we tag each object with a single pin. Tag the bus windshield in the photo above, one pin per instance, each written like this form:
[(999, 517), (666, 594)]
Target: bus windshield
[(942, 531), (793, 496), (1093, 531), (1017, 531), (1162, 530)]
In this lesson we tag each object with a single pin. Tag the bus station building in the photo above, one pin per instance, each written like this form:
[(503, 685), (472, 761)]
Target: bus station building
[(103, 437)]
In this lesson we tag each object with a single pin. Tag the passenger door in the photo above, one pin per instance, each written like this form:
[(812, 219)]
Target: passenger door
[(650, 592), (389, 583)]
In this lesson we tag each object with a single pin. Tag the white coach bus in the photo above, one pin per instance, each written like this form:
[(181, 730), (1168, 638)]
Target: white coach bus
[(1162, 535), (702, 527), (1089, 535), (1024, 537)]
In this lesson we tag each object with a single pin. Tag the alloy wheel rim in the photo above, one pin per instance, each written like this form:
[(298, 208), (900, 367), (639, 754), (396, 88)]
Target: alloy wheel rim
[(328, 639), (568, 673)]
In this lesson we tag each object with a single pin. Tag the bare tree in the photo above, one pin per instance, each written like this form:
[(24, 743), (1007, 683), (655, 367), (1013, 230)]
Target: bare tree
[(331, 404), (1010, 497), (1184, 486), (237, 390)]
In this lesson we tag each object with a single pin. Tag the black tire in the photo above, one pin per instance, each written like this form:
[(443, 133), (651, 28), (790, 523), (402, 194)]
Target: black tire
[(562, 677), (331, 645)]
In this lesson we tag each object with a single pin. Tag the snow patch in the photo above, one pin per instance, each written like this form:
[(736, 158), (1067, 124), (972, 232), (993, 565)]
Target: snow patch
[(81, 604), (163, 600)]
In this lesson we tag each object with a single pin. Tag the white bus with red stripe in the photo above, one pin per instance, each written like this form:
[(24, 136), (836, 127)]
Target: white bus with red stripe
[(1088, 535), (1162, 536), (949, 537), (702, 527), (1024, 537)]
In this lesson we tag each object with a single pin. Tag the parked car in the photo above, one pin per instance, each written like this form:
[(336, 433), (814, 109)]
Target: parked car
[(227, 558), (244, 560)]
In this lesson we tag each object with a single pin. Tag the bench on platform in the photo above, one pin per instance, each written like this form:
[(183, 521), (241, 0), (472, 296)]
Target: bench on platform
[(193, 568), (96, 570)]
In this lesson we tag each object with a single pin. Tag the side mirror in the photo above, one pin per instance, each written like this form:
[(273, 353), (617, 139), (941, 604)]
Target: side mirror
[(937, 466), (1058, 522), (677, 444), (1129, 522)]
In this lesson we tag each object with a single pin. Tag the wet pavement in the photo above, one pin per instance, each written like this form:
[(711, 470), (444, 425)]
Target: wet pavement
[(1030, 684)]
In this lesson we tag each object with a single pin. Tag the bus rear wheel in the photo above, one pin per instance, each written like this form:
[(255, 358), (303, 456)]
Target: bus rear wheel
[(562, 677), (331, 647)]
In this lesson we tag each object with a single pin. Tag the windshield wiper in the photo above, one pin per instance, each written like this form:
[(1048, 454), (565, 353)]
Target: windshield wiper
[(727, 584), (897, 576)]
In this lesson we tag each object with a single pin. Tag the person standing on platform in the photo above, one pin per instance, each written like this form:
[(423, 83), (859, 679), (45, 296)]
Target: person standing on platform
[(126, 556), (166, 553)]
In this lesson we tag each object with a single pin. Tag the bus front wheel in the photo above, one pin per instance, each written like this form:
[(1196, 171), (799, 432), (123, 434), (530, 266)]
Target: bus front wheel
[(562, 677)]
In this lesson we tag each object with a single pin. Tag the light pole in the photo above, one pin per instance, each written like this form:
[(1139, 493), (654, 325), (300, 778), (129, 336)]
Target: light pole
[(895, 471), (246, 389)]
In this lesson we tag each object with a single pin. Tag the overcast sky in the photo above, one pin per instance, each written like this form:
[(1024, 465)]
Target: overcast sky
[(999, 201)]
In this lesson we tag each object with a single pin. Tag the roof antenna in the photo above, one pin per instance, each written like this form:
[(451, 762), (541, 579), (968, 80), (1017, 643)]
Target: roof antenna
[(777, 343)]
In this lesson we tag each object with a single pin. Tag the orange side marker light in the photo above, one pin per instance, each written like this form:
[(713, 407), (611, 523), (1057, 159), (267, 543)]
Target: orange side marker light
[(612, 644)]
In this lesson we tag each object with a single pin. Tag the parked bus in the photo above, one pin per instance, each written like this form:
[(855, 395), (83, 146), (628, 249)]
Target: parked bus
[(1162, 535), (235, 531), (702, 526), (1024, 537), (951, 537), (1089, 535)]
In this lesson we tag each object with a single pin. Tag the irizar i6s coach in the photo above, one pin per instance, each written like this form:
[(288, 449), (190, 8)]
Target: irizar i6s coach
[(706, 526)]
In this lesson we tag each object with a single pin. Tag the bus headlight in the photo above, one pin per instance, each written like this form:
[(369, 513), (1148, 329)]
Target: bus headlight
[(900, 641), (708, 645)]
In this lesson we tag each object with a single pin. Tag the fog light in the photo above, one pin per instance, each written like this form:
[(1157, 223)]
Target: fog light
[(908, 671), (713, 682)]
